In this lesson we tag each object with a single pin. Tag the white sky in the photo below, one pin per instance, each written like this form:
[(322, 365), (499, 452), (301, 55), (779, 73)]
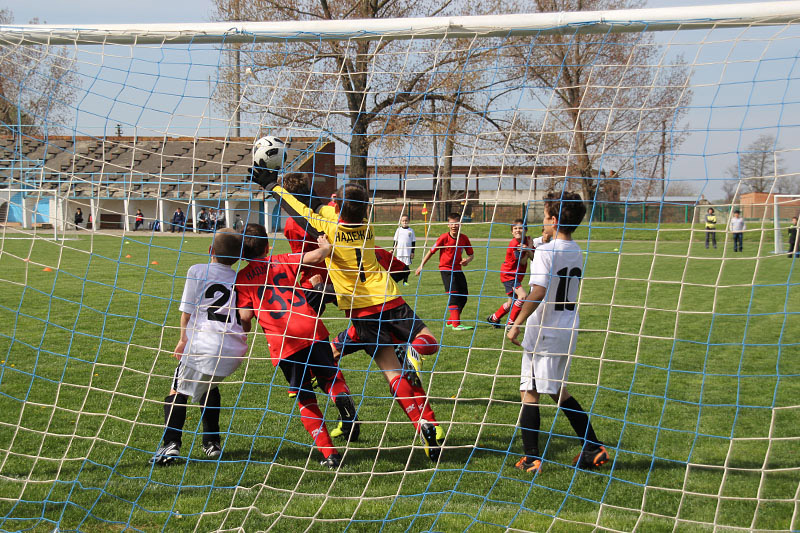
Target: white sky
[(706, 155)]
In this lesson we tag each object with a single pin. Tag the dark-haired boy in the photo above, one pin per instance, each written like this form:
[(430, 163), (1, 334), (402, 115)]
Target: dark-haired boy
[(212, 346), (368, 295), (297, 338), (512, 272), (737, 229), (551, 333), (451, 245), (711, 227)]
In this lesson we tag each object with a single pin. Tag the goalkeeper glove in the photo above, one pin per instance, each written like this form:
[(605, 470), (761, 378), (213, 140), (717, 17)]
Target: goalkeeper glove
[(263, 176)]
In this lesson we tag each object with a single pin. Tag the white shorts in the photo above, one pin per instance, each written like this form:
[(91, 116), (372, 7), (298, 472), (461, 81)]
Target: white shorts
[(193, 383), (544, 374)]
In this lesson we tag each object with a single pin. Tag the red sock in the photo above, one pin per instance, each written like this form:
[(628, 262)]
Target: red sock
[(500, 313), (425, 344), (455, 315), (312, 420), (515, 311), (336, 386), (423, 404), (404, 395)]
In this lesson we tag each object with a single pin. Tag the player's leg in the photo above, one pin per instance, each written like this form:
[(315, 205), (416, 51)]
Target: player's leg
[(211, 402), (295, 369), (494, 318), (529, 418), (453, 313), (555, 371), (406, 324), (593, 453), (708, 238), (405, 396), (459, 298), (519, 297), (174, 420), (332, 382)]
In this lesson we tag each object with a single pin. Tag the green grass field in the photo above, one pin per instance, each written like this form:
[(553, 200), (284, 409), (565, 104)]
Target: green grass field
[(689, 364)]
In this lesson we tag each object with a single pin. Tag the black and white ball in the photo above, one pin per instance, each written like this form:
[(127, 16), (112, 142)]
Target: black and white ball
[(269, 152)]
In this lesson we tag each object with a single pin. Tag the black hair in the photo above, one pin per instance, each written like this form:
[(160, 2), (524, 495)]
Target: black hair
[(353, 201), (227, 246), (567, 207), (255, 241)]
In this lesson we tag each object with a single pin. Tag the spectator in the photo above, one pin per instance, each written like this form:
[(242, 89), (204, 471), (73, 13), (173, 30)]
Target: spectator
[(78, 218), (139, 220), (178, 220), (202, 219)]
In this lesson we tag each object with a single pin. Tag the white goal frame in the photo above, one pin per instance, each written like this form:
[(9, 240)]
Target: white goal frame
[(619, 21)]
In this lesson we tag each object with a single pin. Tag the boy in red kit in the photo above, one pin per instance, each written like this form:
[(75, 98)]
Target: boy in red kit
[(450, 247), (515, 266), (366, 293), (298, 340)]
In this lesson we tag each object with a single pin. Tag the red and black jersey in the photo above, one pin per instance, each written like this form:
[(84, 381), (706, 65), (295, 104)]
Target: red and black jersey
[(267, 286), (450, 250), (516, 263), (388, 261), (300, 241)]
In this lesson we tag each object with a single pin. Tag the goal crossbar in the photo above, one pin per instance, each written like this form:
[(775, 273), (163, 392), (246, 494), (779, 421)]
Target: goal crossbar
[(619, 21)]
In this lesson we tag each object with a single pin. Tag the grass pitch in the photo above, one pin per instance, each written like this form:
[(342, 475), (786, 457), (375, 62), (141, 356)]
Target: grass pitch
[(687, 360)]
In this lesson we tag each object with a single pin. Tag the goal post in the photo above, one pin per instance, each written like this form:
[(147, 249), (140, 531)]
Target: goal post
[(681, 354)]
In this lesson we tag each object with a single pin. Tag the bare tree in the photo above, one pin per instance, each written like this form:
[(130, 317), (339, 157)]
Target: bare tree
[(604, 94), (759, 167), (37, 85), (366, 94)]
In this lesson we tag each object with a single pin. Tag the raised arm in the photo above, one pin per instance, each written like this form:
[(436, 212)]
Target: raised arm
[(425, 259)]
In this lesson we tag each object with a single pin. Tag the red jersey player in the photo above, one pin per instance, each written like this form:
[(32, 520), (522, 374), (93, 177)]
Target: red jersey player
[(518, 255), (450, 247), (298, 340)]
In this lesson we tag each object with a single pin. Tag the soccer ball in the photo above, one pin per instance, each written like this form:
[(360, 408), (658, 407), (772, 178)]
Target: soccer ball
[(269, 152)]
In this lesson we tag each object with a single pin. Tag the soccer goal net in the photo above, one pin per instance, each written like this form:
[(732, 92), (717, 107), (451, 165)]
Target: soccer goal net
[(126, 150), (785, 212)]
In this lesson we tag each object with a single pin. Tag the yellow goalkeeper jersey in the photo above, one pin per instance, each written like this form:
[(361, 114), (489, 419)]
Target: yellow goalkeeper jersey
[(360, 281)]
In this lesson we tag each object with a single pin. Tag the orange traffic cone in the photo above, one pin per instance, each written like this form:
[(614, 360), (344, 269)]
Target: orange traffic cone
[(154, 263), (128, 256), (47, 269)]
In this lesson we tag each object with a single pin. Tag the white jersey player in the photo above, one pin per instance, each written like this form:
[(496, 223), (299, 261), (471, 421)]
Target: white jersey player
[(404, 241), (212, 346), (551, 332)]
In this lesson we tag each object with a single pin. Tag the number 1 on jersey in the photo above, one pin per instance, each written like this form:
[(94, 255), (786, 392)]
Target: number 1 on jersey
[(361, 275)]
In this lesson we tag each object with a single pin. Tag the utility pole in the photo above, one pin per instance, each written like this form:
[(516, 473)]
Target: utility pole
[(237, 78), (663, 157)]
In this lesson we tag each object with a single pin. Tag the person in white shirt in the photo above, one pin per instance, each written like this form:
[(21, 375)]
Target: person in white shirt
[(737, 228), (213, 344), (404, 243), (551, 332)]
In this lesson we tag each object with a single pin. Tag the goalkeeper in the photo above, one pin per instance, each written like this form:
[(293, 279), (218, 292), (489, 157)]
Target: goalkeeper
[(366, 293)]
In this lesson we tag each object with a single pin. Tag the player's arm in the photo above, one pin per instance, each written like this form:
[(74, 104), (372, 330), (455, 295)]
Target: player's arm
[(319, 220), (317, 256), (425, 259), (529, 305), (178, 353), (246, 315), (469, 251)]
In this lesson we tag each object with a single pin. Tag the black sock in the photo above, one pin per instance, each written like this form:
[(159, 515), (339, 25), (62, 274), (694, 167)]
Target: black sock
[(211, 404), (580, 422), (174, 417), (529, 421)]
